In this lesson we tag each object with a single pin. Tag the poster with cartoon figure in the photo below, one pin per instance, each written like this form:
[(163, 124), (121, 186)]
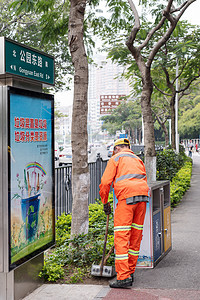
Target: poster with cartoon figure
[(31, 168)]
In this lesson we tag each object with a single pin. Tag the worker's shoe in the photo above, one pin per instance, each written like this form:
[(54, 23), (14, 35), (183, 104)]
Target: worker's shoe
[(132, 277), (121, 283)]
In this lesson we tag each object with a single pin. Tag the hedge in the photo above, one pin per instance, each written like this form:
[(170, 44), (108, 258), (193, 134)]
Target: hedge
[(180, 183), (168, 163)]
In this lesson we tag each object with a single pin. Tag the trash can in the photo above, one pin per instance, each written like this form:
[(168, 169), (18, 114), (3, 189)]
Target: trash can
[(156, 241)]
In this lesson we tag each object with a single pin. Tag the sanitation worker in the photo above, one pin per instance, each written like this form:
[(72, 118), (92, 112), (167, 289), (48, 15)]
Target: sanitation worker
[(127, 173)]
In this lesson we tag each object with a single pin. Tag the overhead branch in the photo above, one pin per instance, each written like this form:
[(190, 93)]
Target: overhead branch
[(187, 93), (159, 90), (173, 21), (166, 75), (162, 111), (162, 120), (159, 44), (184, 7), (135, 29), (178, 8), (189, 83), (134, 10), (150, 34), (166, 99), (12, 22), (169, 5)]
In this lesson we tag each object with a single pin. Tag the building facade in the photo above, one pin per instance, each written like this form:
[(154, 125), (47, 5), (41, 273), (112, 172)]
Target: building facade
[(104, 79)]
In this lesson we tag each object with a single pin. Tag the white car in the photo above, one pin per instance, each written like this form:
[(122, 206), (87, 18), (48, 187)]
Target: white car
[(97, 145), (65, 156), (110, 151)]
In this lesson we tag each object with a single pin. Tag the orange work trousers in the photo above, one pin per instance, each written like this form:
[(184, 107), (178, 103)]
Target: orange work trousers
[(128, 227)]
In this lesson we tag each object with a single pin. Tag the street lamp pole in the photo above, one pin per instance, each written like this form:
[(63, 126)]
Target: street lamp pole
[(170, 130), (176, 109)]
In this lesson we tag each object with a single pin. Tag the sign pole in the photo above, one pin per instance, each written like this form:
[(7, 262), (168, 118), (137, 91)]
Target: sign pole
[(176, 109)]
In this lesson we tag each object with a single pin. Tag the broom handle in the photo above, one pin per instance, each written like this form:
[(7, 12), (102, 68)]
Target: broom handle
[(108, 255), (104, 249)]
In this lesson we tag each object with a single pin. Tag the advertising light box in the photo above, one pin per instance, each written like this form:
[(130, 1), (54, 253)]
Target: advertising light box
[(31, 174)]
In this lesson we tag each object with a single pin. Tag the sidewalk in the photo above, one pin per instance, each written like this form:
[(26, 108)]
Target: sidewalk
[(176, 277)]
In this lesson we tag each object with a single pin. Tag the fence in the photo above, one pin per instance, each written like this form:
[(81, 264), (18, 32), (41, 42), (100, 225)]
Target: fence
[(63, 187)]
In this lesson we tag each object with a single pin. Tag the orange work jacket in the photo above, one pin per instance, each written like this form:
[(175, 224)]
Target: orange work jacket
[(127, 172)]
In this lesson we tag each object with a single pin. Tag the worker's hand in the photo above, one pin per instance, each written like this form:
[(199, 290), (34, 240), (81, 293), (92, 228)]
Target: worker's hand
[(107, 208)]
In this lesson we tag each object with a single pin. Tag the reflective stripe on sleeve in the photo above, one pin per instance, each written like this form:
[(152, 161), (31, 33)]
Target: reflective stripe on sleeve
[(133, 252), (137, 226), (121, 256), (122, 228), (125, 155), (129, 176)]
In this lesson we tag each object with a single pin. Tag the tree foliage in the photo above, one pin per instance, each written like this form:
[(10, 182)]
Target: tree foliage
[(126, 116), (184, 45), (145, 40), (189, 124)]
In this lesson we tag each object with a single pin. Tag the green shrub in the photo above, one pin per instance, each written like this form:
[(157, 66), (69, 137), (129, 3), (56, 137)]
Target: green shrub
[(52, 271), (180, 183), (78, 274), (63, 228), (168, 163), (83, 250)]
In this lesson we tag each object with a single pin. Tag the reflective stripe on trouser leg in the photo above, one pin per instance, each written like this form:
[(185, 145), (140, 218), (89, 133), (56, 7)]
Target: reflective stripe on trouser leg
[(123, 220), (136, 235)]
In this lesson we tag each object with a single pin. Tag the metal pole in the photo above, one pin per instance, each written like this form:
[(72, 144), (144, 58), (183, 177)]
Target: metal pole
[(176, 109), (170, 131)]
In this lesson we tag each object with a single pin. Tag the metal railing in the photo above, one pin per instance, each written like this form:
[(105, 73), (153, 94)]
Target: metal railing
[(63, 187)]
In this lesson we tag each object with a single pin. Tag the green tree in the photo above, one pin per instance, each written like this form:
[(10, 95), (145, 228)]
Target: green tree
[(188, 114), (144, 43), (126, 116), (182, 51), (189, 124)]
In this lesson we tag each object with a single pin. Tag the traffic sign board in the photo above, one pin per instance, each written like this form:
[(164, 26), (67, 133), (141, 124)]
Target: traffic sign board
[(20, 60)]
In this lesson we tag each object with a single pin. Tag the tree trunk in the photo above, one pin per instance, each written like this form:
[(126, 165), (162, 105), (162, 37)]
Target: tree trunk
[(166, 135), (162, 124), (140, 136), (79, 136), (164, 128), (149, 139)]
